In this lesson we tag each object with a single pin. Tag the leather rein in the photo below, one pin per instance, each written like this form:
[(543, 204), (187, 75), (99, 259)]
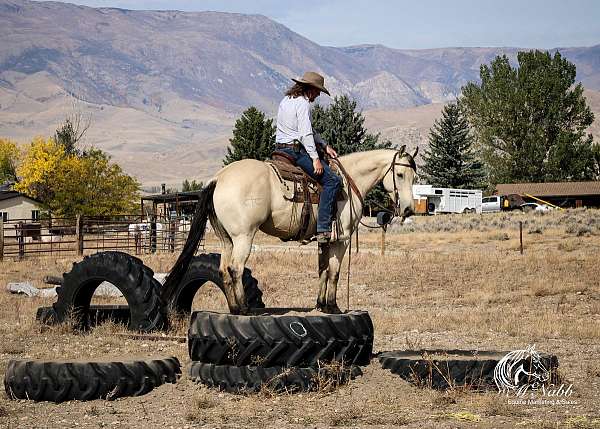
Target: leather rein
[(354, 188)]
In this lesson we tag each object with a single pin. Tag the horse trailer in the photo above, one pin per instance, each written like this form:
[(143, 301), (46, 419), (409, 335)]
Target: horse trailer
[(430, 200)]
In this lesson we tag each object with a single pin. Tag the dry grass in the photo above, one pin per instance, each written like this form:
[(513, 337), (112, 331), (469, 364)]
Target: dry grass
[(449, 284)]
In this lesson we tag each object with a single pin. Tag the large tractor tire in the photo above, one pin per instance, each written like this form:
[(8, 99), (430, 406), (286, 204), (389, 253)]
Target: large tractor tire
[(242, 379), (128, 273), (205, 268), (59, 381), (443, 369), (281, 340)]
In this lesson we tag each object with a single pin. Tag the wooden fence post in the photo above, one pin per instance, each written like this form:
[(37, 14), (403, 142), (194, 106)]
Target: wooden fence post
[(1, 238), (521, 235), (21, 240), (79, 234), (383, 230), (153, 234)]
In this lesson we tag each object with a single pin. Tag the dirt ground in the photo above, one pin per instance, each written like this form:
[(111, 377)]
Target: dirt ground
[(446, 282)]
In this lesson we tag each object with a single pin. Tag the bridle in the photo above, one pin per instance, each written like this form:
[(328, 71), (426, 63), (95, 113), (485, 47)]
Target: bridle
[(392, 168)]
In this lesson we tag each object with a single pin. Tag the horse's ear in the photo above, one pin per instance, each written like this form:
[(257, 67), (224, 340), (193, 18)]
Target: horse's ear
[(416, 152), (402, 148)]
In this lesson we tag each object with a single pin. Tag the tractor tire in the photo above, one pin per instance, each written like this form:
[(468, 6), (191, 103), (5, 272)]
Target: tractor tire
[(97, 314), (60, 381), (281, 340), (205, 268), (128, 273), (247, 379), (443, 369)]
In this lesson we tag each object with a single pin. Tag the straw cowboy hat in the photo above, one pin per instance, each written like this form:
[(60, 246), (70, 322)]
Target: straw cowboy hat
[(313, 79)]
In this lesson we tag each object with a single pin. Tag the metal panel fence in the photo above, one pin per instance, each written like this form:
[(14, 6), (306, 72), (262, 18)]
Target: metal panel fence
[(133, 234)]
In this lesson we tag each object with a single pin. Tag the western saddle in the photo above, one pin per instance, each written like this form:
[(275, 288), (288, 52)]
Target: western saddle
[(298, 187)]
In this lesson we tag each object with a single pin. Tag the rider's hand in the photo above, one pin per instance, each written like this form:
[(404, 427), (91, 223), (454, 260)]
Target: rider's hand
[(317, 166), (331, 152)]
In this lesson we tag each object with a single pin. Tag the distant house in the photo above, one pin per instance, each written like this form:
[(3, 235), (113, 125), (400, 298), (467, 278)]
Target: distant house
[(16, 206), (563, 194)]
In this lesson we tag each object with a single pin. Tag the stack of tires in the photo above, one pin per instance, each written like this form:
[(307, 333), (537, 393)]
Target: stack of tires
[(280, 352), (145, 310)]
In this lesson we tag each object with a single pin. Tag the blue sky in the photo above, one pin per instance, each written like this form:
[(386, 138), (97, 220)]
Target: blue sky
[(414, 24)]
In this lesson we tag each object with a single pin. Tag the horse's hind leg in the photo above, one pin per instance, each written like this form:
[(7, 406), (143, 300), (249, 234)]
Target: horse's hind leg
[(228, 284), (242, 244)]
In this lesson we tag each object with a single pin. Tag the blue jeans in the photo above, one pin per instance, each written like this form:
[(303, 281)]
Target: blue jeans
[(330, 182)]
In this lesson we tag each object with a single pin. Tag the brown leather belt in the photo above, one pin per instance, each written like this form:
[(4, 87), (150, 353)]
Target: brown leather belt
[(294, 145)]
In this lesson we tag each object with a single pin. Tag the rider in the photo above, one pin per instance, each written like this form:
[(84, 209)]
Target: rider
[(295, 136)]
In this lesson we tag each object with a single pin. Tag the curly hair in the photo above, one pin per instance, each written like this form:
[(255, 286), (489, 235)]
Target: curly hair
[(298, 90)]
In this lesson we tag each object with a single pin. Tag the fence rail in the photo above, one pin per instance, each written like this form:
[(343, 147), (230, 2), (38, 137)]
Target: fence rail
[(85, 234)]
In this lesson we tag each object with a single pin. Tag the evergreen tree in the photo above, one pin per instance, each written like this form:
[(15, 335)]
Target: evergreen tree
[(253, 137), (450, 162), (531, 122), (188, 186), (342, 126)]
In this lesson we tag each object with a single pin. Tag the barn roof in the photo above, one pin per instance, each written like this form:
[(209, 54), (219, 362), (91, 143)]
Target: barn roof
[(7, 195), (550, 189)]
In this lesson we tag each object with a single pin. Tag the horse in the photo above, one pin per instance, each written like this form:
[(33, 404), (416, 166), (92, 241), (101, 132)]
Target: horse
[(246, 196)]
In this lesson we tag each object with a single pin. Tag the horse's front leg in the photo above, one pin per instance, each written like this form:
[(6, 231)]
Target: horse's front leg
[(336, 255), (323, 273)]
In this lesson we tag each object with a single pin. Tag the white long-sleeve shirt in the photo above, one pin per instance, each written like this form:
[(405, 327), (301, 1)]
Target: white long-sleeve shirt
[(294, 123)]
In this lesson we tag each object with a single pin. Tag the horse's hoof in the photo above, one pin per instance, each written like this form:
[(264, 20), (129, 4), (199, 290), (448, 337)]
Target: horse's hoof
[(330, 309)]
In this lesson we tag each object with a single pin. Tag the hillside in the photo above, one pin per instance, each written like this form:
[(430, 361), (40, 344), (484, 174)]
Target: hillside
[(163, 88)]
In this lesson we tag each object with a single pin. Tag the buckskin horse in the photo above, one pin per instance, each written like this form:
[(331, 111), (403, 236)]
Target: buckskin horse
[(247, 196)]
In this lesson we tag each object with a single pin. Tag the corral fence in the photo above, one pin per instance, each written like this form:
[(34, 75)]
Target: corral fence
[(133, 234)]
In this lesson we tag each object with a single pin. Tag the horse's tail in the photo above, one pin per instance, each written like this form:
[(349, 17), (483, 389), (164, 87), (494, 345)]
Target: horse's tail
[(204, 210)]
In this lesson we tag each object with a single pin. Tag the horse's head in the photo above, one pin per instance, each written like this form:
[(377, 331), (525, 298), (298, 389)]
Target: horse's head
[(398, 182)]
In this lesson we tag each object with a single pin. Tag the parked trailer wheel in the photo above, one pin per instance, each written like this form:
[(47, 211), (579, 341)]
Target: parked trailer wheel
[(281, 340), (205, 268), (242, 379), (128, 273), (59, 381)]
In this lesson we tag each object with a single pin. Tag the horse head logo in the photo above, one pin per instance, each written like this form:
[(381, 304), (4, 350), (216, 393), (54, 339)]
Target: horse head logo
[(521, 370)]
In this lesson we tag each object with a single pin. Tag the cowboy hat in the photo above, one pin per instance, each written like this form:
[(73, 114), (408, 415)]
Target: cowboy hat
[(313, 79)]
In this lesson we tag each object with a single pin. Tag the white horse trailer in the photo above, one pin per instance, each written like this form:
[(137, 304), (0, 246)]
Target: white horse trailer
[(446, 200)]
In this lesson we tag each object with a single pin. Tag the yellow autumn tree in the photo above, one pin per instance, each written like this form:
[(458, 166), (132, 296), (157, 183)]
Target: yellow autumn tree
[(9, 157), (78, 183)]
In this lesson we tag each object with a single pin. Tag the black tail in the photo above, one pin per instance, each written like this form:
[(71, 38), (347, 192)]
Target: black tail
[(204, 209)]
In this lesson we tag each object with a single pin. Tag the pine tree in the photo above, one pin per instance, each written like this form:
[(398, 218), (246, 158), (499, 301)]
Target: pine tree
[(343, 127), (450, 161), (188, 186), (253, 137)]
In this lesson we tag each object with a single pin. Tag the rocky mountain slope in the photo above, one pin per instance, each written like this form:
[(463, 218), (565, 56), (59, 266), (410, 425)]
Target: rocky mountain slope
[(163, 88)]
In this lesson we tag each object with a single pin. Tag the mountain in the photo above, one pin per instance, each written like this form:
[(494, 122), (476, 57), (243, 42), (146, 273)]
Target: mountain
[(163, 88)]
